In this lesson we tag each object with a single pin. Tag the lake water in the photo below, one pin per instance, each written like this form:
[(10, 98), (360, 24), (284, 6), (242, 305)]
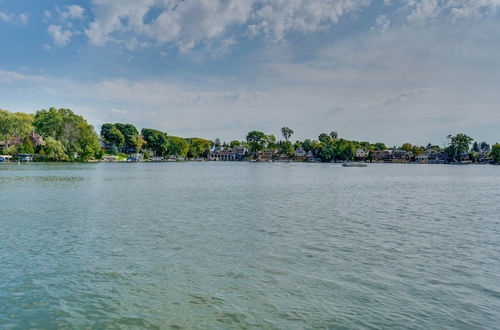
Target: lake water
[(245, 245)]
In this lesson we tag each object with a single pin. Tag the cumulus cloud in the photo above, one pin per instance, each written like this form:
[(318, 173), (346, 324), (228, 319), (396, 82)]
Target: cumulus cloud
[(72, 12), (21, 19), (61, 37), (427, 11), (188, 23)]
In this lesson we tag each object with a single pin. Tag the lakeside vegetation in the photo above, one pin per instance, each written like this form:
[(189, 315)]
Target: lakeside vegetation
[(62, 135)]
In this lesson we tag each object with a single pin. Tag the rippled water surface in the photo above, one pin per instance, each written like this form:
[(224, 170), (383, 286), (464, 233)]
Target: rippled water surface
[(244, 245)]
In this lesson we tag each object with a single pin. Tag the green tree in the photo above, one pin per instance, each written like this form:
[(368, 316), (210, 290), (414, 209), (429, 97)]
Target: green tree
[(461, 142), (286, 132), (198, 147), (484, 147), (129, 132), (256, 141), (155, 140), (26, 147), (495, 152), (475, 147), (77, 137), (324, 138), (379, 146), (14, 125), (234, 144), (115, 137), (287, 148), (110, 134), (271, 142), (407, 147), (54, 150), (178, 146), (138, 142)]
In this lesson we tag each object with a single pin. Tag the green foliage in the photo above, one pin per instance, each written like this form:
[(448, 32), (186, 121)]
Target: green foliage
[(460, 142), (112, 135), (234, 144), (198, 147), (129, 132), (286, 132), (54, 150), (256, 141), (407, 147), (271, 142), (26, 147), (155, 140), (14, 125), (495, 152), (287, 148), (138, 142), (379, 146), (178, 146), (77, 137)]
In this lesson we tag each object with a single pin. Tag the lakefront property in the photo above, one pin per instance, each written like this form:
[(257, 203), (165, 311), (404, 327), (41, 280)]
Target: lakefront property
[(62, 135)]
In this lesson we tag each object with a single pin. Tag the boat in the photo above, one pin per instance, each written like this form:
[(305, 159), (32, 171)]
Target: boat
[(354, 164)]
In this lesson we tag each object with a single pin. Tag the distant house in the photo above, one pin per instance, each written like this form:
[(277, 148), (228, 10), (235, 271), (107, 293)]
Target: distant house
[(381, 155), (222, 155), (400, 156), (109, 158), (300, 152), (361, 153), (422, 158), (268, 154), (240, 152), (36, 139)]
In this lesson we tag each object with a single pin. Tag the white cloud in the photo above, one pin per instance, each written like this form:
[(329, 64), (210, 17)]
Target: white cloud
[(61, 37), (381, 24), (72, 12), (427, 11), (277, 18), (188, 23), (21, 19)]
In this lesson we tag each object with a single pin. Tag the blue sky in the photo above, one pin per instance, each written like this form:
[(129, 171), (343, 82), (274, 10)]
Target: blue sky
[(387, 70)]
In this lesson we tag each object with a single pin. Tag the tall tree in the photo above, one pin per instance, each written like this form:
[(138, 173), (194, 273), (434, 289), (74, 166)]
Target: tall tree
[(178, 146), (286, 132), (14, 125), (138, 142), (129, 131), (78, 138), (257, 141), (495, 152), (156, 141), (198, 147)]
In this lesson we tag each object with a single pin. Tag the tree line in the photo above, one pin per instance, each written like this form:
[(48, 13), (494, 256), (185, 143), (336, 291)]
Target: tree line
[(69, 137)]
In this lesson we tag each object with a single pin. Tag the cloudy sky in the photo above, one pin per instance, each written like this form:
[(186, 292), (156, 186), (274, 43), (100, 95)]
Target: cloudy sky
[(380, 70)]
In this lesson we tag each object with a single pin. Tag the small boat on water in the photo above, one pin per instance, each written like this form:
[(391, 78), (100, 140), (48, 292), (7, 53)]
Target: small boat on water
[(354, 164)]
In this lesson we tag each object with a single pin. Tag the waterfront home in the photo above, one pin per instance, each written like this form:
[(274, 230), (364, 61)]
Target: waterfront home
[(400, 156), (240, 152), (300, 152), (268, 154), (381, 155), (422, 158), (109, 158), (36, 139), (222, 155), (360, 153)]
